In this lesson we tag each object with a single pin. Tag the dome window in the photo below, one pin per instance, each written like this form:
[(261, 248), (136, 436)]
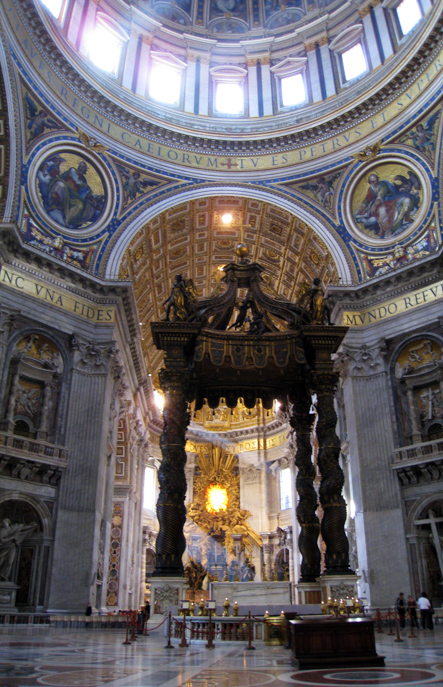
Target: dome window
[(350, 52), (409, 14), (290, 81), (229, 90), (106, 43), (354, 63), (285, 489), (55, 7), (149, 490), (165, 82)]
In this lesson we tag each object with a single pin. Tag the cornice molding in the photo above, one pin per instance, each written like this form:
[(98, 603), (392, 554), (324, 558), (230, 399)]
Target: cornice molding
[(417, 275)]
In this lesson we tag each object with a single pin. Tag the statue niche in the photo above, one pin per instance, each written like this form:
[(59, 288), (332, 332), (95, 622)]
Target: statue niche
[(419, 381), (21, 542), (34, 383)]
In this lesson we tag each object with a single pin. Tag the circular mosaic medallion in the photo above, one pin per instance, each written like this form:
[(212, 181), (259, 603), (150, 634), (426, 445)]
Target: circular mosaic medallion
[(387, 201), (363, 676), (71, 189)]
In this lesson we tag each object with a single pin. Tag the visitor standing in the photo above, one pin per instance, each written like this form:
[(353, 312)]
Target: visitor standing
[(401, 609), (412, 610), (425, 607)]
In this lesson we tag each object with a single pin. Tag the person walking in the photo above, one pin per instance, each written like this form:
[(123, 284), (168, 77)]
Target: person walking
[(425, 607), (412, 610), (401, 610)]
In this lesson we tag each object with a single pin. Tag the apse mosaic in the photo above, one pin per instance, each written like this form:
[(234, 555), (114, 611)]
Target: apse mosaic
[(386, 201), (71, 190)]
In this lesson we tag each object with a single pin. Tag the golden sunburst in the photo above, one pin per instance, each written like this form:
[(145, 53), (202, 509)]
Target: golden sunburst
[(216, 498)]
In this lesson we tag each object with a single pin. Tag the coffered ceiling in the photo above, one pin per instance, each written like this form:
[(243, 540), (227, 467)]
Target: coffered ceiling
[(190, 239)]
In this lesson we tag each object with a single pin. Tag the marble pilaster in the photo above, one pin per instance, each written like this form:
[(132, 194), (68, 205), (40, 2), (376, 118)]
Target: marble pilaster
[(75, 22), (252, 88), (87, 27), (327, 70), (130, 63), (314, 74), (371, 41), (190, 84), (268, 108), (383, 30), (203, 101), (76, 545), (376, 492)]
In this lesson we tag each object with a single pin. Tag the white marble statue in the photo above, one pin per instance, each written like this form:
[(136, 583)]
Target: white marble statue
[(11, 536)]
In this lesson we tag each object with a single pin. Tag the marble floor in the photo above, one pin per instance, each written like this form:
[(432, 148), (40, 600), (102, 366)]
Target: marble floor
[(43, 655)]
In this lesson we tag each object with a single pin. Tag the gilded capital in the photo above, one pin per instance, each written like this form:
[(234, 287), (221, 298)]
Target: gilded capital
[(361, 362), (323, 40), (309, 47)]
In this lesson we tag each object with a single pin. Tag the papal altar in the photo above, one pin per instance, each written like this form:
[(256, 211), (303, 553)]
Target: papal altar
[(252, 593)]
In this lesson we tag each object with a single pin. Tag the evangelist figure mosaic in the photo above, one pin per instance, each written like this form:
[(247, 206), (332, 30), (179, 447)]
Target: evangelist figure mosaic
[(385, 202), (71, 190)]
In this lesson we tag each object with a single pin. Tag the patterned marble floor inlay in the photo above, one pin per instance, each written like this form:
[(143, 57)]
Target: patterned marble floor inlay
[(35, 657)]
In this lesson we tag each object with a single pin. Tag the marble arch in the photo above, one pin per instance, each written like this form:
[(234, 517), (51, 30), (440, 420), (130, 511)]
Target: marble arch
[(336, 247)]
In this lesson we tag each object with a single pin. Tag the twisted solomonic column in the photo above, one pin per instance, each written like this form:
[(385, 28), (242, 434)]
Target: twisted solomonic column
[(332, 477), (171, 511), (301, 422)]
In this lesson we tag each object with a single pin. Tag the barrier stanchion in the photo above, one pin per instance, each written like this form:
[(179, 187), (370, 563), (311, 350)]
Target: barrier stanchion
[(397, 625), (169, 645), (411, 635), (210, 642), (378, 616), (183, 642), (133, 626), (249, 647), (389, 622), (127, 631)]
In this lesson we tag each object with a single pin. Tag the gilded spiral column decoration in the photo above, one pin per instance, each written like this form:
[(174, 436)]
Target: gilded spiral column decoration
[(171, 511), (332, 477), (301, 422)]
